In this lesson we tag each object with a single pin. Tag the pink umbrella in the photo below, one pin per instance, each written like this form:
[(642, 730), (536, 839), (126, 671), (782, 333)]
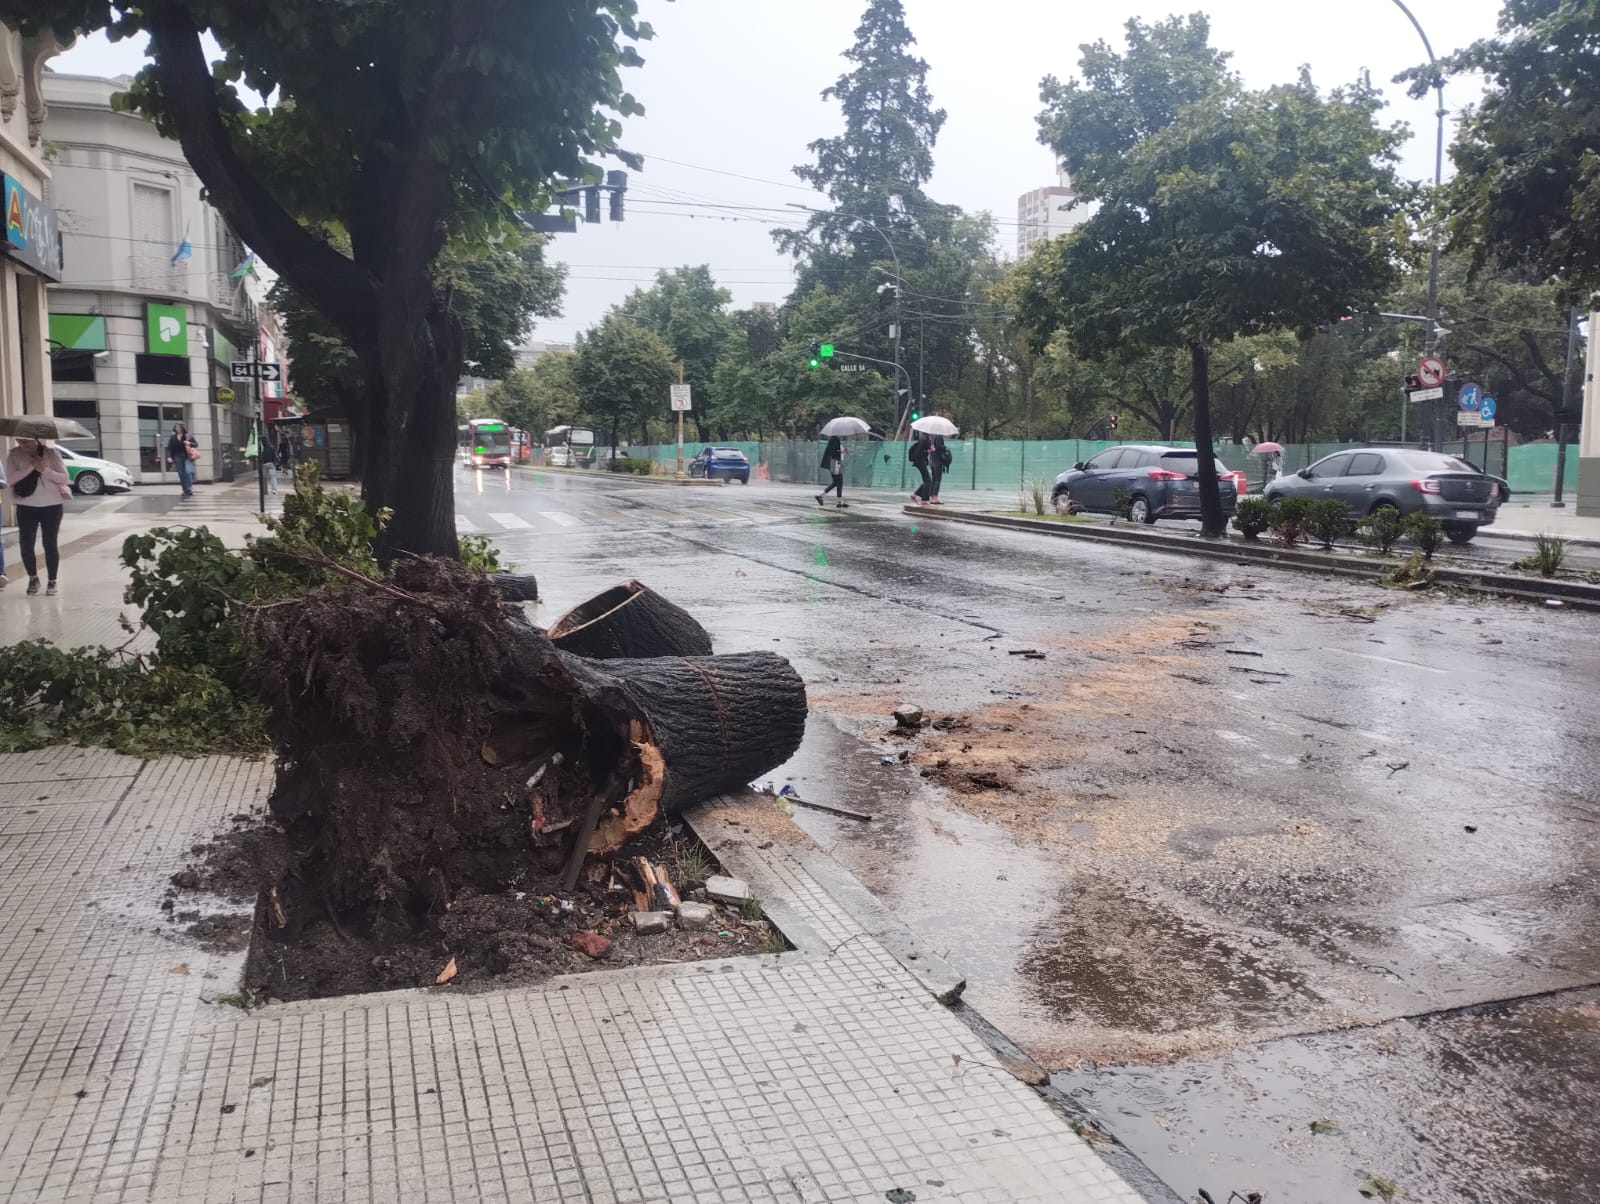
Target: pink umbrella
[(1262, 449)]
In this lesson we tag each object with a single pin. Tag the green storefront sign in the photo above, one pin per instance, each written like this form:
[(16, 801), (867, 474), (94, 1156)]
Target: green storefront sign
[(166, 330), (77, 332)]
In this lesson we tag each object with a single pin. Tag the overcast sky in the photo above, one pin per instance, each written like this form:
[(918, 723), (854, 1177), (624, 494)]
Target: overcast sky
[(732, 90)]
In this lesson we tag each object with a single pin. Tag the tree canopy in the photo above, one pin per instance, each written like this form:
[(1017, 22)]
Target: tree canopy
[(1526, 194), (623, 372), (1221, 212), (401, 128)]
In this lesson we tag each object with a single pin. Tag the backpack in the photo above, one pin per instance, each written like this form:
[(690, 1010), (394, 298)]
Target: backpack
[(945, 457), (917, 453)]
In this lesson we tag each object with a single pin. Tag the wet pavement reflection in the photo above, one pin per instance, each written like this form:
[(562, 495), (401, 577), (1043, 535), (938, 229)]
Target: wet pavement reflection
[(1173, 816)]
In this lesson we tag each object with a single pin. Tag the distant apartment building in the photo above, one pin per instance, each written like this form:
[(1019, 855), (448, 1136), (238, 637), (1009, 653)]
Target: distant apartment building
[(1047, 213), (155, 299)]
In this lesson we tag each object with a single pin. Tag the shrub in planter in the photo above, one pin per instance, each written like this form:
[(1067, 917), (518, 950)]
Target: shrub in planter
[(1289, 519), (1425, 532), (1252, 516), (1327, 519), (1382, 529)]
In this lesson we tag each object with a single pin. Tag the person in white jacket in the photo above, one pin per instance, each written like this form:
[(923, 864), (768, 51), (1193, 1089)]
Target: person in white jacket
[(39, 485)]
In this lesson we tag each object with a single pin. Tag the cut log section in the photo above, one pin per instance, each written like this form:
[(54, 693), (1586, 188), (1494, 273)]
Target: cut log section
[(516, 587), (629, 620), (429, 740)]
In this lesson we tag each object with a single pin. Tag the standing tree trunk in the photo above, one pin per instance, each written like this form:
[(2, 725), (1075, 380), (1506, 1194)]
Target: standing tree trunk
[(411, 432), (1212, 523)]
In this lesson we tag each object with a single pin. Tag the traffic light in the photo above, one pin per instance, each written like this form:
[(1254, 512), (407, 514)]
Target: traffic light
[(814, 356), (591, 204), (915, 414), (617, 182), (1413, 383), (1113, 422)]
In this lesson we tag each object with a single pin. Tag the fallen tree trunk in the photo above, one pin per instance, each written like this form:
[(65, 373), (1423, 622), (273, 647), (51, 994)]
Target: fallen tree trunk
[(516, 587), (629, 620), (429, 741)]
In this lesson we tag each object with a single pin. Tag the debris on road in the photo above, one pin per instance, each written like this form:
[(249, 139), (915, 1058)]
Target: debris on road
[(1470, 827), (728, 890), (647, 923), (908, 716), (1395, 767), (591, 944), (1241, 652), (629, 620), (1022, 652), (695, 916)]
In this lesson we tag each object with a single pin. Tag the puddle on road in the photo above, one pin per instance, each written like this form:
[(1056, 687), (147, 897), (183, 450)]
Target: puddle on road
[(1441, 1107)]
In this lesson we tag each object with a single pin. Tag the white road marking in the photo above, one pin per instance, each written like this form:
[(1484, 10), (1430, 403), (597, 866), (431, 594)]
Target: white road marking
[(512, 522), (1388, 660), (559, 517), (463, 523)]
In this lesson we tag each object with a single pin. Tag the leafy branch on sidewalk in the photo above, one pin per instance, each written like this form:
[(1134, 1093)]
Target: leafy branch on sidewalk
[(196, 693)]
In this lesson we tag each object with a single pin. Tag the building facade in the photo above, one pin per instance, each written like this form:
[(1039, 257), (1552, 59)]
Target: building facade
[(31, 252), (149, 312), (1048, 213)]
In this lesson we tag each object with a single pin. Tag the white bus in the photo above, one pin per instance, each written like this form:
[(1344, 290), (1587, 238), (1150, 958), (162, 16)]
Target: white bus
[(567, 446)]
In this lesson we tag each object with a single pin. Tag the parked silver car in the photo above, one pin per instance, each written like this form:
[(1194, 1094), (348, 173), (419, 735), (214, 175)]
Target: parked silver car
[(1372, 478)]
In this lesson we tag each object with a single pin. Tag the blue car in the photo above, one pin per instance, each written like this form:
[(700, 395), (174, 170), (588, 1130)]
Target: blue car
[(721, 464)]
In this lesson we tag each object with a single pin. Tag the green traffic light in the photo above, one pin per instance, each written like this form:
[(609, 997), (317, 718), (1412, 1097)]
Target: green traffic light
[(813, 362), (915, 416)]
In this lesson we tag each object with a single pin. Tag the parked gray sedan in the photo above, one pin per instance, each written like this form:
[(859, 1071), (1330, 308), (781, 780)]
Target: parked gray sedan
[(1372, 478), (1160, 482)]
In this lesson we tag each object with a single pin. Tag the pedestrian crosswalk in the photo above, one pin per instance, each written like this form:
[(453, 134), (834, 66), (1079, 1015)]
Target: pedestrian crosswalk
[(472, 521)]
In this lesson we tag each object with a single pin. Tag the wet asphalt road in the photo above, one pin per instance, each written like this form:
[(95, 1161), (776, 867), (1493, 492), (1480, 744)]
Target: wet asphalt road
[(1242, 852)]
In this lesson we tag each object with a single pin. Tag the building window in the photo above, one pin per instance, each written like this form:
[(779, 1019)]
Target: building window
[(72, 366), (154, 244), (86, 413), (161, 369)]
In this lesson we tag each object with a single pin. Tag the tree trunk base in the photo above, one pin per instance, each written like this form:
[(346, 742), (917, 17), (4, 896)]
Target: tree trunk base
[(428, 741)]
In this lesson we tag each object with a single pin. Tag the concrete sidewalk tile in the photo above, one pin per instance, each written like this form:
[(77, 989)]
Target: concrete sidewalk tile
[(810, 1076)]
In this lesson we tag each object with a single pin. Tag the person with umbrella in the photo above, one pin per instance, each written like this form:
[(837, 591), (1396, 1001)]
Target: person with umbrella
[(39, 485), (833, 455), (929, 455), (38, 482)]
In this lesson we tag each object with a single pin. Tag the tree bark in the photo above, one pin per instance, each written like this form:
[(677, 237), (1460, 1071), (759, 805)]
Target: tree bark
[(1212, 523), (629, 620)]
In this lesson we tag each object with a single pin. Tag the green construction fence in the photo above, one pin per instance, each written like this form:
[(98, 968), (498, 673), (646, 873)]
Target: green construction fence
[(1006, 465)]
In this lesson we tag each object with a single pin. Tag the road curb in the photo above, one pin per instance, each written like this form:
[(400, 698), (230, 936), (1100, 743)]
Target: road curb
[(1511, 536), (1575, 594)]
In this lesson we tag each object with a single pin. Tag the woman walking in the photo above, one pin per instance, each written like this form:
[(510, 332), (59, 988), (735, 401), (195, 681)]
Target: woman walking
[(939, 459), (182, 452), (833, 465), (920, 453), (39, 485)]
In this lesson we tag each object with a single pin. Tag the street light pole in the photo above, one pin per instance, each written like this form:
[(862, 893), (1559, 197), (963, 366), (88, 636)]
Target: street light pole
[(1430, 341)]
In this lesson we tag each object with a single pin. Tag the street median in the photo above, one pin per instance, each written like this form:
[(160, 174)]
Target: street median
[(1545, 591), (628, 478)]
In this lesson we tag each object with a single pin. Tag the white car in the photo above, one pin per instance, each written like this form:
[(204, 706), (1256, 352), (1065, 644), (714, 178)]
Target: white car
[(91, 476)]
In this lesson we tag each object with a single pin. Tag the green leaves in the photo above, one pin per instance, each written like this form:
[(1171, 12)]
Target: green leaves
[(1526, 194), (623, 372)]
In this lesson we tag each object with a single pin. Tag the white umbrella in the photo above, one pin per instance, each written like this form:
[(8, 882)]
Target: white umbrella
[(846, 427), (935, 425), (42, 426)]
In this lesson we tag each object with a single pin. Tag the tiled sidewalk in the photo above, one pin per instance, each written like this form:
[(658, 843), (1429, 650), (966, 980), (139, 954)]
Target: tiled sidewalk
[(827, 1074)]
